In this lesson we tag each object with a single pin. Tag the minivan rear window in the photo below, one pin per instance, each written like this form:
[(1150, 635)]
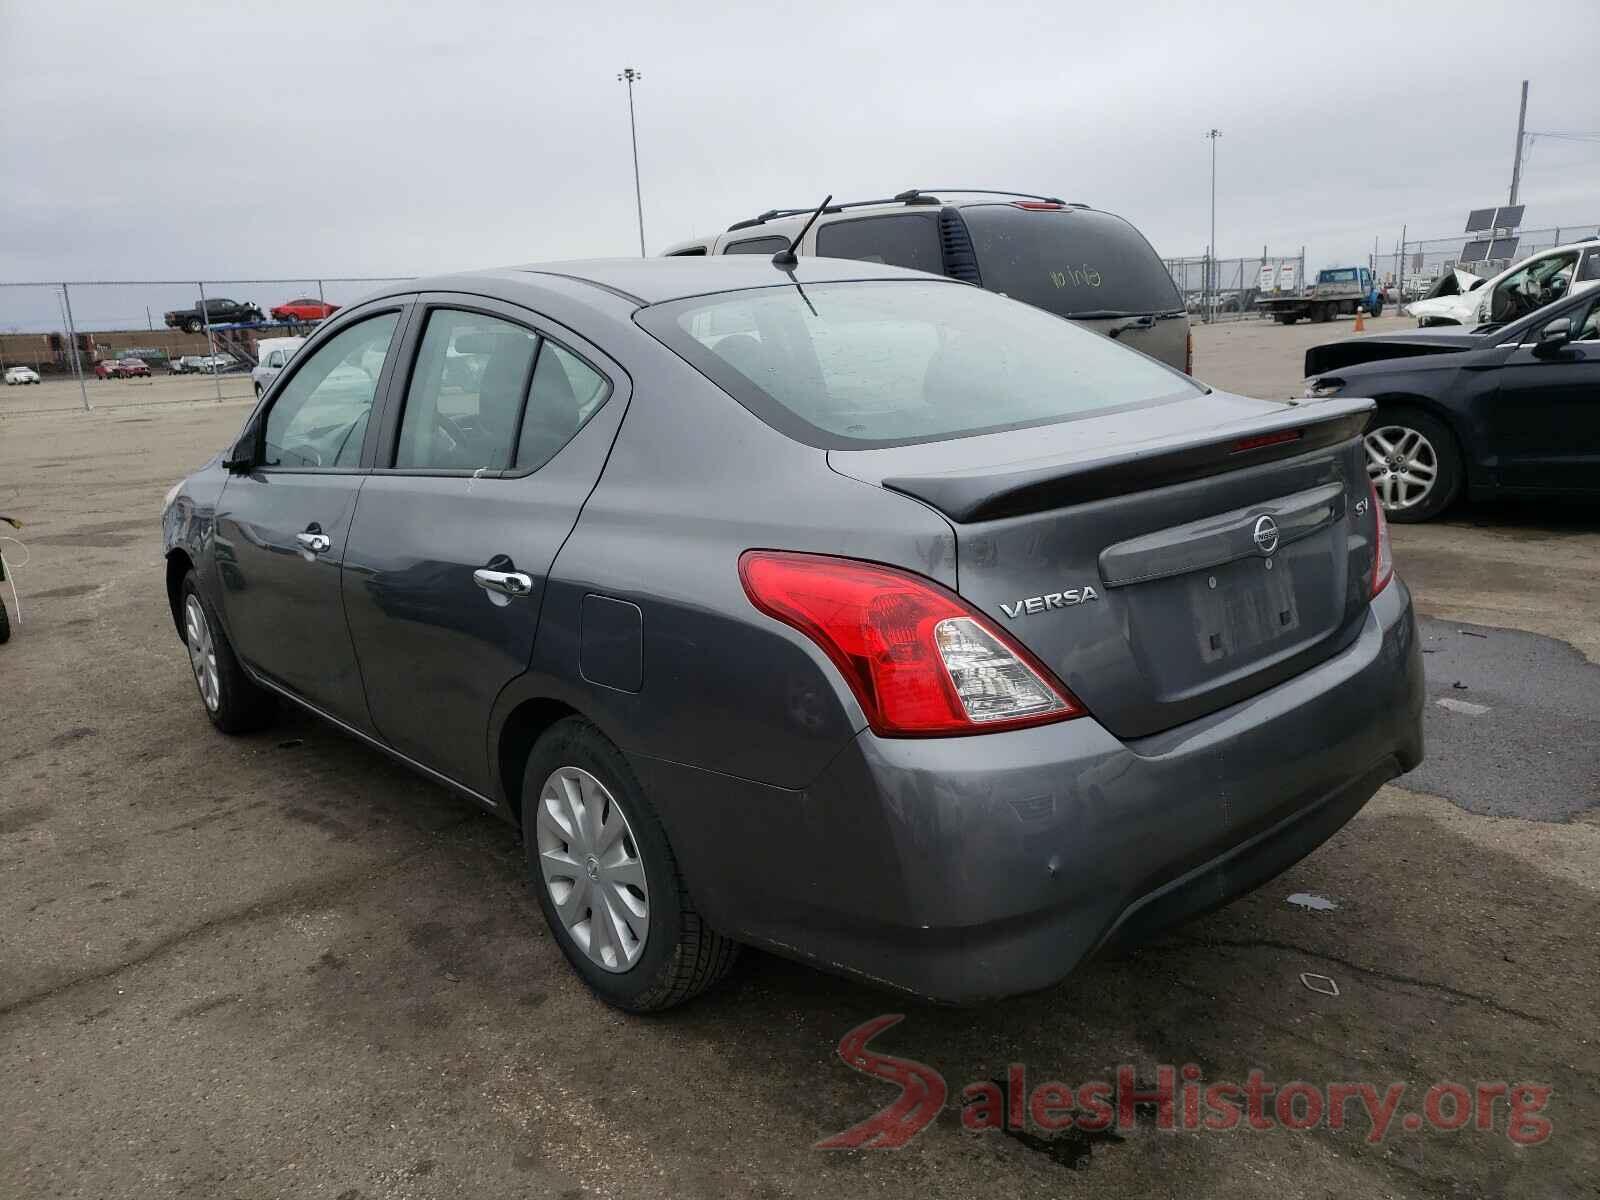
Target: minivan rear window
[(880, 362), (1073, 262)]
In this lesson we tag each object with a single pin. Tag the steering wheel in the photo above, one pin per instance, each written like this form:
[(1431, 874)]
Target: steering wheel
[(460, 441)]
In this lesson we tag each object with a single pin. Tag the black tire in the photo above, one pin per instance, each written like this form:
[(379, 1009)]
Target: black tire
[(682, 956), (1447, 484), (5, 623), (1377, 309), (1287, 318), (193, 326), (242, 706)]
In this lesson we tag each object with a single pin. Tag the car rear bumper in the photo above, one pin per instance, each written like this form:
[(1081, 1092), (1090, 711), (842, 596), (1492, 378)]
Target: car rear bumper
[(968, 868)]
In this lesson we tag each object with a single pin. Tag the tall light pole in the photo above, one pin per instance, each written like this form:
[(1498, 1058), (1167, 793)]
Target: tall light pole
[(629, 75), (1211, 304)]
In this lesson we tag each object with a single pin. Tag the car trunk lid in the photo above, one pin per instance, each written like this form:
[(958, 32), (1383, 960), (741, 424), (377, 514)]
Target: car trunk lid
[(1161, 575)]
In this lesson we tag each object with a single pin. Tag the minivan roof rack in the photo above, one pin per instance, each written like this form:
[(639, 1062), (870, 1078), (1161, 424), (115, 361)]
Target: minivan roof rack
[(909, 196)]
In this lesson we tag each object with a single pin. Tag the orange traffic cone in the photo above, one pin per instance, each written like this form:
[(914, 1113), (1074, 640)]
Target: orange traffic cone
[(1361, 320)]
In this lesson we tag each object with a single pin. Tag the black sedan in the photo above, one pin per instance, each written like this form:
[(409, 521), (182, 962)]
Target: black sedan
[(1499, 409)]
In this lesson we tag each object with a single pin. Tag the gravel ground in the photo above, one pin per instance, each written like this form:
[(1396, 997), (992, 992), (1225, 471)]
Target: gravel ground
[(282, 966)]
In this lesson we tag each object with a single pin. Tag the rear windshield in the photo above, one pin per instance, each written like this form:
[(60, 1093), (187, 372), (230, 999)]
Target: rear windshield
[(874, 363), (1072, 262), (1342, 275)]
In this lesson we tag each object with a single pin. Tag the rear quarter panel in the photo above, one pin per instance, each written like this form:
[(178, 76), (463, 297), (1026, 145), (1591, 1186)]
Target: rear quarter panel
[(693, 481)]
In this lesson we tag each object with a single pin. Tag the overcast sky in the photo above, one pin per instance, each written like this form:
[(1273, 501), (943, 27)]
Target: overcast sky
[(167, 140)]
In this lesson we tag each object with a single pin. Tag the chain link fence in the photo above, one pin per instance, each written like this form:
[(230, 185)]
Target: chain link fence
[(193, 340), (1226, 289)]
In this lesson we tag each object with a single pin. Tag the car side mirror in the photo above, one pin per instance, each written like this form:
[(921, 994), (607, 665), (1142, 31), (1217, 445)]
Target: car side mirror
[(1554, 336), (242, 455)]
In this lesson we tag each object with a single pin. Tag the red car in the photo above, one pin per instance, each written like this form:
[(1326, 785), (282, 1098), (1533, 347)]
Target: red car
[(304, 310), (106, 368), (127, 368)]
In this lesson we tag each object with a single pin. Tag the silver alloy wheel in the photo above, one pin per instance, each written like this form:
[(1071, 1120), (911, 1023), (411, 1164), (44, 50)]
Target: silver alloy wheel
[(1403, 465), (592, 868), (202, 652)]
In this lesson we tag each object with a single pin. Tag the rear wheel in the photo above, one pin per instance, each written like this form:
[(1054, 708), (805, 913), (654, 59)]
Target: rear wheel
[(1287, 318), (193, 325), (1414, 464), (606, 877), (232, 701)]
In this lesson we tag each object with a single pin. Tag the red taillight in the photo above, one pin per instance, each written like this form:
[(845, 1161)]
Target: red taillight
[(1037, 205), (919, 659), (1382, 555)]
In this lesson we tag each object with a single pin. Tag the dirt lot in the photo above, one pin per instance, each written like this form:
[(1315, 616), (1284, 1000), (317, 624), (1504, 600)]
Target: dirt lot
[(281, 966)]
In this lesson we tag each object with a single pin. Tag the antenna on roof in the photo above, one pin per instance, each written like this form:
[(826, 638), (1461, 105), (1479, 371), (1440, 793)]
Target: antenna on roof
[(786, 257)]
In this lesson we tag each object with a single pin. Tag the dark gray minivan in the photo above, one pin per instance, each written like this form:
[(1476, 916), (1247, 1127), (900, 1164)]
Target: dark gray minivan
[(837, 609), (1078, 262)]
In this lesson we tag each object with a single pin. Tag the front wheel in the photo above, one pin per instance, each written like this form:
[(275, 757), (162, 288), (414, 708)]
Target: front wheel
[(606, 877), (1377, 309), (232, 701), (193, 326), (1414, 464)]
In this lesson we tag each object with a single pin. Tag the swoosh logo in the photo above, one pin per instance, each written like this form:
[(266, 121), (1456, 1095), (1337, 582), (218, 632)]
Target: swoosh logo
[(922, 1092)]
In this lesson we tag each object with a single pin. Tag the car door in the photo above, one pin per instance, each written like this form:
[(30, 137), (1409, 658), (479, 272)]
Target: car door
[(1545, 425), (284, 517), (486, 456)]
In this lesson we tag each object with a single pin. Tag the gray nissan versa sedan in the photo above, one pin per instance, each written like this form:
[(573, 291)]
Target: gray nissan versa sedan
[(854, 613)]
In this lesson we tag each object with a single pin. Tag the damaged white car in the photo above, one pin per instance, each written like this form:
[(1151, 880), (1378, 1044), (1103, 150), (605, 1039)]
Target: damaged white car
[(1463, 299)]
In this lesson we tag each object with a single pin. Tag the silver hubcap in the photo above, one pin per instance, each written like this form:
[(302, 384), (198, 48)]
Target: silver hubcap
[(591, 867), (1403, 466), (202, 653)]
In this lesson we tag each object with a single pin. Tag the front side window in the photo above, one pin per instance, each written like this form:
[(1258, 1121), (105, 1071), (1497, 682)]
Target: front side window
[(902, 240), (320, 417), (854, 365), (1590, 270), (465, 397), (1541, 282)]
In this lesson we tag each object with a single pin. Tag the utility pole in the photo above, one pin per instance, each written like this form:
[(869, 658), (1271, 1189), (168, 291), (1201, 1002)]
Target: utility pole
[(1211, 292), (1516, 160), (629, 76)]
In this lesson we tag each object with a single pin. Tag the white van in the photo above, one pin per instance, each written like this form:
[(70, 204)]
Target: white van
[(272, 355)]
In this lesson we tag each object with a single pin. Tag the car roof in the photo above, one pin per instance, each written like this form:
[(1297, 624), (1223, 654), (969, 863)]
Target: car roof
[(657, 280)]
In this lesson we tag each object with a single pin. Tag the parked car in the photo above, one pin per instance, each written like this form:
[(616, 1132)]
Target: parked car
[(1497, 409), (106, 368), (219, 312), (1074, 261), (21, 375), (128, 368), (215, 364), (189, 364), (1520, 289), (272, 355), (305, 309), (894, 625)]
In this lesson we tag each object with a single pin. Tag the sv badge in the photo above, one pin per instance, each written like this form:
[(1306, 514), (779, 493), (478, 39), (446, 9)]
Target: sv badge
[(1039, 604)]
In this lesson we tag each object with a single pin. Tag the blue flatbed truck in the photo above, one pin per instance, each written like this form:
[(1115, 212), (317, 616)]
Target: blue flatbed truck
[(1339, 291)]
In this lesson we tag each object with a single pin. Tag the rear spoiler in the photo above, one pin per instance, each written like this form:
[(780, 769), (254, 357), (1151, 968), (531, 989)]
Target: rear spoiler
[(984, 495)]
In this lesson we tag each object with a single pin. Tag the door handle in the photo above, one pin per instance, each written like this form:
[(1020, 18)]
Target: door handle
[(316, 543), (506, 583)]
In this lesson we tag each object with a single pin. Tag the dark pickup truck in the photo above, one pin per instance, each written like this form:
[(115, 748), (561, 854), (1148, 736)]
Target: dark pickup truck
[(220, 312)]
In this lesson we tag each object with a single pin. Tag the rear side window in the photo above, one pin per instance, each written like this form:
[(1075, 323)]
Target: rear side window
[(566, 393), (873, 363), (466, 393), (760, 245), (898, 240), (1072, 262)]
